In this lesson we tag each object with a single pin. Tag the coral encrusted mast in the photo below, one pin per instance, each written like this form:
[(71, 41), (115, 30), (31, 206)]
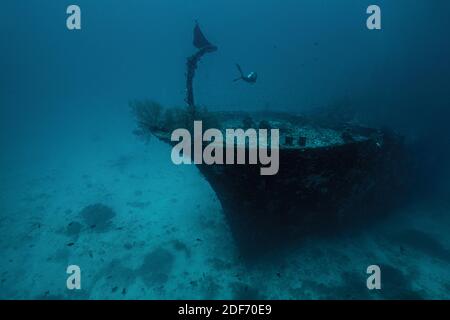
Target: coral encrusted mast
[(203, 46)]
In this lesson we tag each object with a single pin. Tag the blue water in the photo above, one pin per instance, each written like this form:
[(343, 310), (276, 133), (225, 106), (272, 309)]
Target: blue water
[(67, 143)]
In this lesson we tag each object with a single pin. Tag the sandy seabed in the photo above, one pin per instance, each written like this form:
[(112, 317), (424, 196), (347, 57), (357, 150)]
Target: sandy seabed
[(164, 236)]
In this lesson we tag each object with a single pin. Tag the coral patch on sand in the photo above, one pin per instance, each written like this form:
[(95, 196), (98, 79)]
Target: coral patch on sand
[(98, 216)]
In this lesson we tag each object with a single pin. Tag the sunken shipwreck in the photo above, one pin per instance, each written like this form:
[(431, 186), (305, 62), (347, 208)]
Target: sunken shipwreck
[(331, 173)]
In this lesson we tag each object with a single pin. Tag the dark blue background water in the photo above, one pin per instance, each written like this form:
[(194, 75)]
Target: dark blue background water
[(308, 53)]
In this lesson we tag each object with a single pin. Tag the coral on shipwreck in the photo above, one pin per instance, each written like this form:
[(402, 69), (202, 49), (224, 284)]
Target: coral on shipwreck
[(151, 117)]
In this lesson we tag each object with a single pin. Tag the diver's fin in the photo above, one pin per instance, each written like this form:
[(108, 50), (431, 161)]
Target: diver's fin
[(240, 70), (200, 40)]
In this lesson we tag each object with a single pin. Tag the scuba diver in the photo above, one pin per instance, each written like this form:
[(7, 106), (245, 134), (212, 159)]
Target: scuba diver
[(250, 78)]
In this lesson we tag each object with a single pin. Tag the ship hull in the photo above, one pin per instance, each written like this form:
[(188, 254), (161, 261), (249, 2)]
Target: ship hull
[(316, 190)]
